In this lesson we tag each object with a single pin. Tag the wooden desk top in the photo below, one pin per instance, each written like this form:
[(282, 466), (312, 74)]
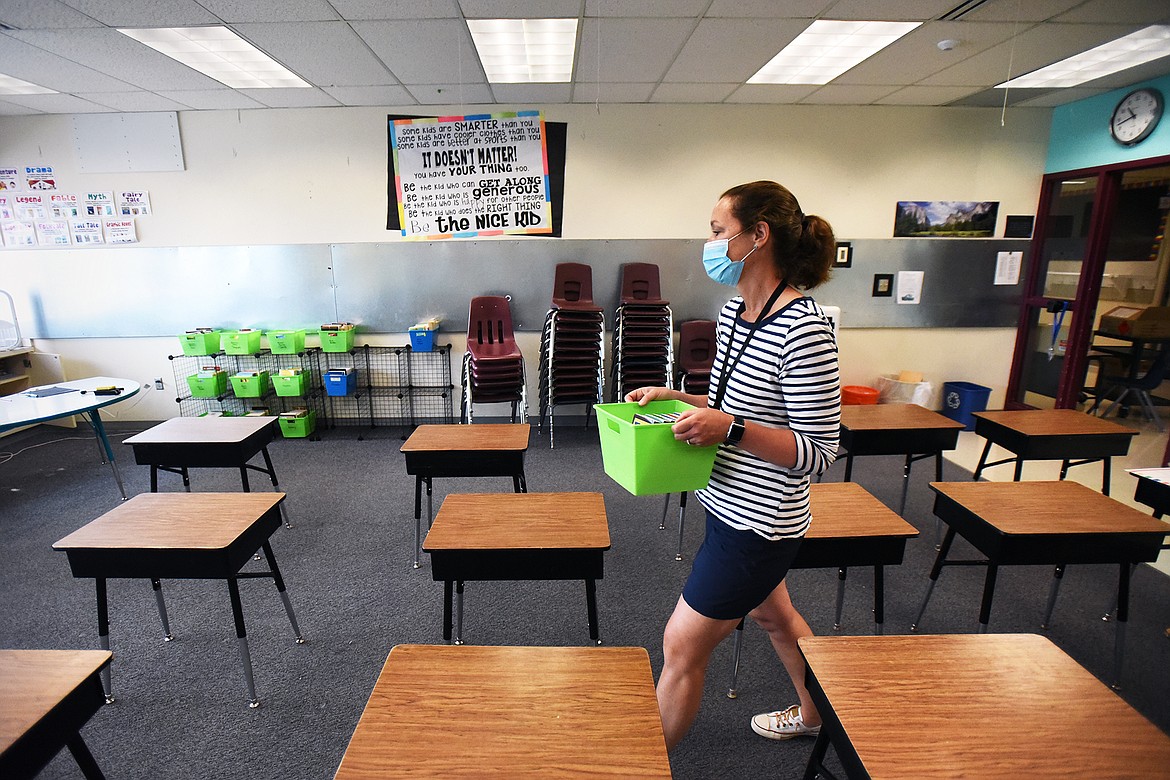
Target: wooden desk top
[(34, 682), (1054, 422), (1047, 508), (885, 417), (202, 430), (503, 436), (523, 712), (188, 521), (846, 509), (980, 705), (519, 521)]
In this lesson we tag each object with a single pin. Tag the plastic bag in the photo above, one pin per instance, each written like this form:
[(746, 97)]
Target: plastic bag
[(893, 391)]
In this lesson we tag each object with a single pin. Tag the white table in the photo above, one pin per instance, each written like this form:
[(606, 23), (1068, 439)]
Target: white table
[(23, 409)]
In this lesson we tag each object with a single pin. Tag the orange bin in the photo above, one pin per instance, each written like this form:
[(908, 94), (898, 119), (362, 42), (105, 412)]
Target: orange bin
[(858, 394)]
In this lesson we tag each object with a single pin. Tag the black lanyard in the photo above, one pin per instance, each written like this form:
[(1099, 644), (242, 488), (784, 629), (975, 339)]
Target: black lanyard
[(730, 364)]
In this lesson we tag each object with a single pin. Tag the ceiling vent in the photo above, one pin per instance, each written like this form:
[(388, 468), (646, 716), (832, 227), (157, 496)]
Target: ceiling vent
[(961, 10)]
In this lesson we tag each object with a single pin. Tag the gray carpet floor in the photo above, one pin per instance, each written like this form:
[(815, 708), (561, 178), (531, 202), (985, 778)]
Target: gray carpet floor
[(181, 709)]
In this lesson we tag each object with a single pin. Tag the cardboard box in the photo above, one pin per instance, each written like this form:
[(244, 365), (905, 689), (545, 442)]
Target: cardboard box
[(1151, 322)]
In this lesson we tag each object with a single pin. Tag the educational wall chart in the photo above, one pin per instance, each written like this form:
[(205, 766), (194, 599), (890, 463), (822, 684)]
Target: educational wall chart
[(19, 233), (9, 179), (29, 205), (134, 203), (480, 175), (39, 177), (100, 204), (64, 205), (86, 231), (53, 232), (121, 231), (7, 210)]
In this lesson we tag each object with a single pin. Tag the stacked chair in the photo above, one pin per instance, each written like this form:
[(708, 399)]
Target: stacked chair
[(571, 369), (696, 354), (493, 366), (642, 343)]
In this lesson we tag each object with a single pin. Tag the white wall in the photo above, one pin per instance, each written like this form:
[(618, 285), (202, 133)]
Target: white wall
[(319, 176)]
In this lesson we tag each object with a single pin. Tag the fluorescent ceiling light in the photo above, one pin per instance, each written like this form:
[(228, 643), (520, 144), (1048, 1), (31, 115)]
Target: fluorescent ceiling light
[(14, 86), (219, 53), (1133, 49), (525, 51), (827, 49)]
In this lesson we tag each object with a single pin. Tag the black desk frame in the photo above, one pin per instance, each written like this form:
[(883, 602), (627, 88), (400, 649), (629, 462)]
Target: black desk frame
[(915, 444)]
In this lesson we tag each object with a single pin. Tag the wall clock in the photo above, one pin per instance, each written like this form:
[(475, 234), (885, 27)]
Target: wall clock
[(1136, 116)]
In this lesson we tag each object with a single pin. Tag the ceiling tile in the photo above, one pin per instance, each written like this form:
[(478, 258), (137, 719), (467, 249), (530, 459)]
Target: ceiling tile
[(119, 56), (692, 93), (284, 11), (1059, 97), (397, 9), (136, 13), (426, 51), (917, 56), (532, 94), (134, 101), (11, 109), (447, 94), (771, 94), (769, 9), (371, 96), (731, 50), (38, 66), (520, 9), (612, 93), (1031, 11), (847, 95), (212, 99), (1136, 12), (891, 10), (926, 96), (646, 8), (42, 14), (290, 98), (326, 54), (624, 55), (57, 104)]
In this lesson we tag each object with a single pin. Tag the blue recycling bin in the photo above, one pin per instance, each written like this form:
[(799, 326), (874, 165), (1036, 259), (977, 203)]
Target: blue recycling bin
[(962, 399)]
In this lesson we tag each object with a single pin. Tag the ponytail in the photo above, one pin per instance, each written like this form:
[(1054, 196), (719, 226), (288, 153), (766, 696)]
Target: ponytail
[(804, 244)]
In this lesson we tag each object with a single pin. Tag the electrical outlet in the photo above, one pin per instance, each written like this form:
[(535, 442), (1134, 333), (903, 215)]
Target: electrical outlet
[(158, 383)]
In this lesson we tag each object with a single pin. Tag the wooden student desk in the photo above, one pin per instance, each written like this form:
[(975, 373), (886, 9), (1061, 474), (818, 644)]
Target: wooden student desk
[(1037, 523), (462, 451), (849, 528), (47, 695), (989, 706), (1066, 435), (897, 429), (518, 536), (180, 536), (517, 712)]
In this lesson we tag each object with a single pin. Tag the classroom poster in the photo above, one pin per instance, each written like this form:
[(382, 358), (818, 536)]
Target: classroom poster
[(39, 177), (54, 232), (9, 179), (29, 205), (86, 231), (18, 233), (99, 204), (134, 203), (121, 231), (7, 210), (478, 175), (64, 205)]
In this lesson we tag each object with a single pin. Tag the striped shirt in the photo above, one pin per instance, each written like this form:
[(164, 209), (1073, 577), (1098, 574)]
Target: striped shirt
[(786, 378)]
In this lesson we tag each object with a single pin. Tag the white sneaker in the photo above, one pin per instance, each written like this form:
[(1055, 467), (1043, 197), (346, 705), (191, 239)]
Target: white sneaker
[(784, 724)]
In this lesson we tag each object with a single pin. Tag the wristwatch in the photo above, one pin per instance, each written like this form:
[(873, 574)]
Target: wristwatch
[(735, 431)]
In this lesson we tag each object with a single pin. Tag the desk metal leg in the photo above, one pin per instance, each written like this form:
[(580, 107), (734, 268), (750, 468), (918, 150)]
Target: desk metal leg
[(242, 639), (84, 758), (938, 477), (733, 691), (988, 593), (1019, 468), (156, 584), (1057, 577), (935, 570), (244, 478), (459, 604), (153, 478), (591, 606), (905, 482), (982, 461), (418, 480), (95, 422), (842, 572), (186, 478), (103, 611), (447, 584), (849, 467), (292, 618), (816, 759), (275, 485), (1122, 622), (682, 512), (879, 600), (665, 512)]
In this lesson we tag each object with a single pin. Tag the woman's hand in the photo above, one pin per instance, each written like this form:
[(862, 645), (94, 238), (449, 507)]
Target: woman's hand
[(702, 427), (644, 395)]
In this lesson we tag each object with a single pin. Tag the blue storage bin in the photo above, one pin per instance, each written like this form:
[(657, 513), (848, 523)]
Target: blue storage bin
[(339, 381), (962, 399), (422, 340)]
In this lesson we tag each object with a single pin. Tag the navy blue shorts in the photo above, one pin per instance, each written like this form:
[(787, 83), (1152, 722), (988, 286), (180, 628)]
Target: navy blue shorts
[(734, 571)]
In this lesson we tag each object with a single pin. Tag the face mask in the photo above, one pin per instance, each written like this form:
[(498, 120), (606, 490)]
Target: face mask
[(719, 266)]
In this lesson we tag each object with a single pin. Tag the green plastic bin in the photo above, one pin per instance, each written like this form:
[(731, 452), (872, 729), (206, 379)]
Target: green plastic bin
[(201, 343), (289, 385), (237, 342), (250, 386), (286, 342), (208, 386), (337, 340), (646, 459), (298, 427)]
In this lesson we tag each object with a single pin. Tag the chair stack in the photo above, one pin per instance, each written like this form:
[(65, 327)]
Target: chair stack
[(571, 370), (493, 366), (642, 343), (696, 354)]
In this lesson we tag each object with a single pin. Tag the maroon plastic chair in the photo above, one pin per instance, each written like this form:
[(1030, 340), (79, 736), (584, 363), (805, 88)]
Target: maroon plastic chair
[(696, 354), (640, 285), (573, 288), (489, 330)]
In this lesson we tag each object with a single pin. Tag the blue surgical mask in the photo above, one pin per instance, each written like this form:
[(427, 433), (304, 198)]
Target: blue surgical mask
[(718, 265)]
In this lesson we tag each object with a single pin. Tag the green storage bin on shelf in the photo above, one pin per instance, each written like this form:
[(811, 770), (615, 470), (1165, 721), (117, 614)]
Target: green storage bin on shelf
[(241, 342), (290, 385), (286, 342), (298, 427), (646, 459), (250, 386), (208, 386), (337, 340), (200, 343)]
